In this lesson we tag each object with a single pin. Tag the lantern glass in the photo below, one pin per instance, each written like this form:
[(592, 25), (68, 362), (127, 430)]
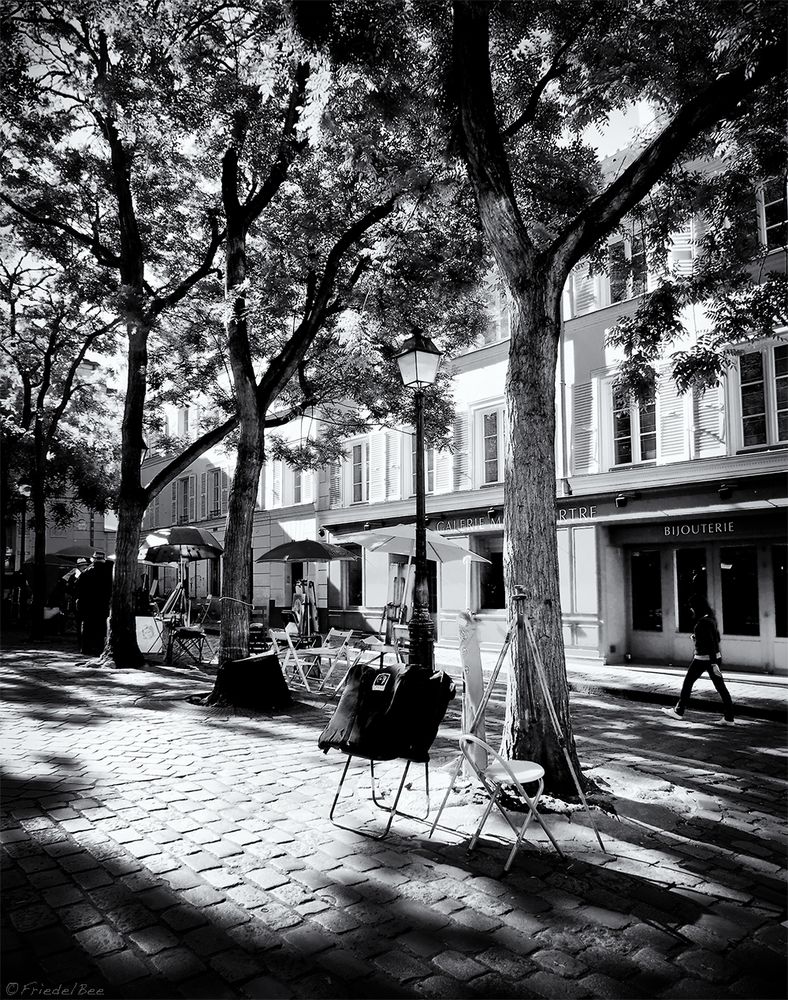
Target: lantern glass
[(418, 361)]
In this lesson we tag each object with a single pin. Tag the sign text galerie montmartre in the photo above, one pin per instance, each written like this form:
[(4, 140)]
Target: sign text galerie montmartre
[(585, 513)]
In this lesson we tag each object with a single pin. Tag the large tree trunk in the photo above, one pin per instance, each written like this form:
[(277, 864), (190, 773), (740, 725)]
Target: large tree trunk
[(531, 547), (121, 648)]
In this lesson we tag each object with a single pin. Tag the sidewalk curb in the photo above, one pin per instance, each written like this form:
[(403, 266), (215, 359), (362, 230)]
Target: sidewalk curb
[(763, 712)]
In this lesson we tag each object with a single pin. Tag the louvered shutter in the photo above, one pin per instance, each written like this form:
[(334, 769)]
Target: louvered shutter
[(192, 499), (584, 430), (156, 511), (682, 251), (225, 490), (335, 484), (146, 520), (377, 467), (585, 290), (308, 486), (443, 471), (394, 465), (709, 423), (671, 422), (276, 483), (174, 494), (462, 478), (203, 495)]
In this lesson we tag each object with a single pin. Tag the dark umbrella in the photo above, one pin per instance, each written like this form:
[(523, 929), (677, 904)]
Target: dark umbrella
[(306, 551), (72, 552), (183, 542)]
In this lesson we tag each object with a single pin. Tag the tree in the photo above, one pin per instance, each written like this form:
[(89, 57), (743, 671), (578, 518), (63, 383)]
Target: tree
[(343, 191), (100, 157), (523, 80), (55, 434)]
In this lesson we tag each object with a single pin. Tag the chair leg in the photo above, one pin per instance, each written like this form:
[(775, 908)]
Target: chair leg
[(339, 788), (483, 820)]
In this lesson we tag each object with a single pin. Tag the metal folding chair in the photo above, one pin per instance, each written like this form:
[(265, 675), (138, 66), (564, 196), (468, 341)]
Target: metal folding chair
[(497, 773)]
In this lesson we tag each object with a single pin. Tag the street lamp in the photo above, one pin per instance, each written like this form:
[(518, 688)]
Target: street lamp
[(418, 363)]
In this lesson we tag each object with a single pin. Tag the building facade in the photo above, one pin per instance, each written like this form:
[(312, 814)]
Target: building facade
[(653, 501)]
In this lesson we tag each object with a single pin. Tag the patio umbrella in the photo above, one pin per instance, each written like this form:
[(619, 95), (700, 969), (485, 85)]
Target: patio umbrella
[(306, 551), (309, 551), (181, 544), (74, 552), (178, 544), (400, 540)]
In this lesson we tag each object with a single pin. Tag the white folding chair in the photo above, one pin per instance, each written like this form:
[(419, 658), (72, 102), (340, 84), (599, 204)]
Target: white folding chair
[(325, 657), (497, 773), (293, 667)]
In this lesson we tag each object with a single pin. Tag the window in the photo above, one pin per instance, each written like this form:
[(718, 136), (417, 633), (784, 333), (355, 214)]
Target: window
[(492, 596), (627, 268), (492, 446), (763, 395), (360, 472), (215, 492), (297, 481), (183, 500), (634, 430), (183, 421), (352, 578), (739, 575), (780, 588), (646, 590), (772, 214), (429, 467), (691, 581)]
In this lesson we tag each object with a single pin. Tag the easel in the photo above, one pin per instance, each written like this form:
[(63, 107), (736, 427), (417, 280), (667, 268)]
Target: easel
[(519, 621), (306, 600)]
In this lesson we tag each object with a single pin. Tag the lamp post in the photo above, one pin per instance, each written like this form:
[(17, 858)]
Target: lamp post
[(418, 362)]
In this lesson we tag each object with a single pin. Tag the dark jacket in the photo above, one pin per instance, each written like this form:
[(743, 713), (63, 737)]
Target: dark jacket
[(707, 638)]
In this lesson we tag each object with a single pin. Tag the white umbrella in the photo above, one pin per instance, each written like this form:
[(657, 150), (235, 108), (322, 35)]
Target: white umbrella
[(400, 540)]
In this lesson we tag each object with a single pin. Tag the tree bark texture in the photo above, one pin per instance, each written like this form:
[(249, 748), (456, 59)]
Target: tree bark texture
[(121, 647), (531, 541)]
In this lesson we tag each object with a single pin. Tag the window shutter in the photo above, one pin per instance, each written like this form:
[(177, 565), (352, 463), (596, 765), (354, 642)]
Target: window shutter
[(156, 511), (335, 484), (585, 290), (377, 472), (192, 499), (174, 494), (308, 486), (258, 496), (393, 465), (225, 490), (146, 519), (671, 424), (462, 479), (584, 431), (709, 436), (443, 471), (203, 495), (276, 483), (682, 251)]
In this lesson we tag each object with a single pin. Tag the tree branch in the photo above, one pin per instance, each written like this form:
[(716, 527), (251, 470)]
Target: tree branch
[(182, 462), (100, 252), (159, 304), (723, 99), (557, 68)]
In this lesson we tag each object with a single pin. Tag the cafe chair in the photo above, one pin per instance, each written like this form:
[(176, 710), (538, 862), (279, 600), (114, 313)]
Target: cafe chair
[(513, 774)]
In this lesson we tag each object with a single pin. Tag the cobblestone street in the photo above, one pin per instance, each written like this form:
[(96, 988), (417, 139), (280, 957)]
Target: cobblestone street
[(156, 848)]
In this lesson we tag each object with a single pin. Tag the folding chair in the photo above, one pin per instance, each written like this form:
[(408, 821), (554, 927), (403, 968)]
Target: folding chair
[(325, 657), (493, 777), (293, 667)]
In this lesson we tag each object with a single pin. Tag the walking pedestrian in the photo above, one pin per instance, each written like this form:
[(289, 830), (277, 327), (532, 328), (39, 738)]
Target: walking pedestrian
[(94, 591), (707, 659)]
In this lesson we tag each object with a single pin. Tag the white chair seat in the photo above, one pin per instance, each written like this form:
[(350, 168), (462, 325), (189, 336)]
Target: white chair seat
[(523, 770)]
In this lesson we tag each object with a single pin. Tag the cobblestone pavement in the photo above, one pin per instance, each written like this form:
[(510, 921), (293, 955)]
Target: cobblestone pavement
[(156, 848)]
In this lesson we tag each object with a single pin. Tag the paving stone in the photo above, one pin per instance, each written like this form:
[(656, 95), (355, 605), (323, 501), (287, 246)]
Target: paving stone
[(444, 986), (458, 966), (99, 940), (80, 916), (267, 988), (122, 967), (152, 940), (254, 936), (560, 963), (605, 988), (177, 964), (552, 987), (267, 878), (32, 917)]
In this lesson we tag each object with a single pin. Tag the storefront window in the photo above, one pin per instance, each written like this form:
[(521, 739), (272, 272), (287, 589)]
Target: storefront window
[(646, 584), (780, 584), (739, 575), (492, 596), (352, 573), (690, 582)]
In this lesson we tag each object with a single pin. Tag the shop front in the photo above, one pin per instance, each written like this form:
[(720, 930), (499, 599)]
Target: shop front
[(736, 560)]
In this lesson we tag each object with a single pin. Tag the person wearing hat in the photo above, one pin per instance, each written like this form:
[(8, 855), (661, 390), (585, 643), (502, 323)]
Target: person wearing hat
[(94, 590)]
